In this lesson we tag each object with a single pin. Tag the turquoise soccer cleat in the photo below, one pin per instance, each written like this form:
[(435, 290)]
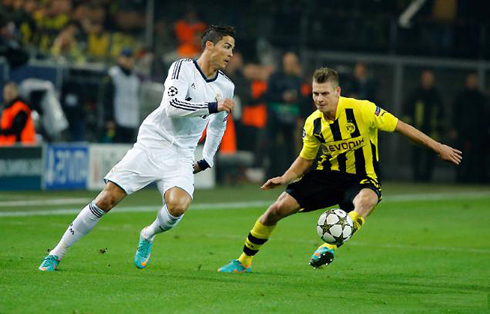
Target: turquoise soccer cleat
[(322, 256), (50, 263), (142, 256), (235, 267)]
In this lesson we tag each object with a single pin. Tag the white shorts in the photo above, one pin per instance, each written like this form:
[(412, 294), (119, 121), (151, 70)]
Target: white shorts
[(142, 166)]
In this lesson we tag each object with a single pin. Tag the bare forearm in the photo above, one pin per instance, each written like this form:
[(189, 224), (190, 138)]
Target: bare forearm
[(297, 169), (417, 136), (445, 152)]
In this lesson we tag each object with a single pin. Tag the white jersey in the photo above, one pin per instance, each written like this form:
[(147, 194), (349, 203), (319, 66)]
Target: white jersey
[(189, 102)]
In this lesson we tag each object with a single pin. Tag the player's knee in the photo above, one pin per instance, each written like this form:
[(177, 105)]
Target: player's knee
[(366, 201), (177, 209), (274, 213)]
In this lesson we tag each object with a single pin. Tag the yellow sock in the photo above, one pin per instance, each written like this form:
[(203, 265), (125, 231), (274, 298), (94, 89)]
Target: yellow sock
[(357, 219), (329, 246), (256, 238)]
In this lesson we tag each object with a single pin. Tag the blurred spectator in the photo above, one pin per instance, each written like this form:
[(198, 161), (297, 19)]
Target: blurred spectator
[(242, 98), (81, 14), (22, 17), (188, 32), (444, 14), (16, 123), (283, 114), (424, 110), (363, 86), (10, 47), (130, 14), (66, 46), (98, 42), (98, 39), (254, 115), (122, 99), (163, 45), (73, 100), (50, 20), (471, 125), (120, 41)]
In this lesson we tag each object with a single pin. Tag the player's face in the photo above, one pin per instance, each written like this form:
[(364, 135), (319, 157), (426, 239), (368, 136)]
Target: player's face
[(222, 52), (325, 95)]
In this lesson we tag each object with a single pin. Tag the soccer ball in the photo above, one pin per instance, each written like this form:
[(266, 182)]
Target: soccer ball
[(335, 226)]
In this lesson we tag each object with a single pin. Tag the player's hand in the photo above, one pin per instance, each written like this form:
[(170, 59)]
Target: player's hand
[(200, 165), (450, 154), (197, 169), (273, 183), (226, 105)]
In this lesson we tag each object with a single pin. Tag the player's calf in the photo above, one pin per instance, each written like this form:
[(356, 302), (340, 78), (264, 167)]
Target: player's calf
[(81, 226)]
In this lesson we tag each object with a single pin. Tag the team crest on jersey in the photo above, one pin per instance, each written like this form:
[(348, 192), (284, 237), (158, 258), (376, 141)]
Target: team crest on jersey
[(172, 91), (351, 127)]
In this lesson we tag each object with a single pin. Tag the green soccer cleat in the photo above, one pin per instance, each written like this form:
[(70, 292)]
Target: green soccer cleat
[(322, 256), (235, 267), (142, 256), (50, 263)]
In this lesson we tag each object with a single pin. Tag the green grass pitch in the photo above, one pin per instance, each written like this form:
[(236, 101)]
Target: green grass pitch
[(426, 249)]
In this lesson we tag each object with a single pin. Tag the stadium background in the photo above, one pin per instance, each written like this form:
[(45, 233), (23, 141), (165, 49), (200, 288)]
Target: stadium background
[(447, 37), (425, 261)]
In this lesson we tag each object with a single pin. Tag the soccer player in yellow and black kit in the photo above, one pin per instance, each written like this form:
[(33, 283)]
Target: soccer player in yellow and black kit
[(346, 173)]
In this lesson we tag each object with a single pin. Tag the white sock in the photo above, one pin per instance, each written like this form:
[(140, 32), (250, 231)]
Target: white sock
[(164, 222), (85, 221)]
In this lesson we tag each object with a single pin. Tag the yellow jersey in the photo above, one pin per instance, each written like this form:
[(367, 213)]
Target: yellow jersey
[(350, 142)]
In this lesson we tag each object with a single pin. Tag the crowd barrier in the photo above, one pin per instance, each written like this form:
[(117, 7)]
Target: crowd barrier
[(69, 166)]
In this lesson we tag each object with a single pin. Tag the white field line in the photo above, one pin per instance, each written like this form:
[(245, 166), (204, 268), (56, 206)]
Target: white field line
[(133, 209), (211, 206), (38, 202)]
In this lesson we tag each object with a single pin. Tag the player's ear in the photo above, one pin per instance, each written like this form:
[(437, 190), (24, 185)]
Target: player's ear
[(337, 90), (209, 44)]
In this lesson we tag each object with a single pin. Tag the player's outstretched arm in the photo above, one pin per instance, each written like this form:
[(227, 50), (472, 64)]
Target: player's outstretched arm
[(445, 152), (299, 166), (216, 129)]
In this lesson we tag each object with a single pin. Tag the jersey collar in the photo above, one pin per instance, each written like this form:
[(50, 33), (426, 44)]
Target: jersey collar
[(340, 107), (203, 75)]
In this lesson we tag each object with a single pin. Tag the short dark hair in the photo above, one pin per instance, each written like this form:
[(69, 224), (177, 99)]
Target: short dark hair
[(323, 75), (215, 33)]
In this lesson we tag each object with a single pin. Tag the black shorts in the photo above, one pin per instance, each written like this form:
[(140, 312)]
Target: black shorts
[(320, 189)]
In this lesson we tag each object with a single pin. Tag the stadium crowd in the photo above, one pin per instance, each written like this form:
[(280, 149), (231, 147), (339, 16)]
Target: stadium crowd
[(76, 31), (273, 97)]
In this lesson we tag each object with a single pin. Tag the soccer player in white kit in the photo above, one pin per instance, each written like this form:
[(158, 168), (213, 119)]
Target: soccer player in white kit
[(197, 93)]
